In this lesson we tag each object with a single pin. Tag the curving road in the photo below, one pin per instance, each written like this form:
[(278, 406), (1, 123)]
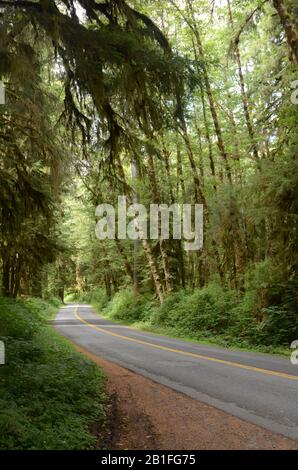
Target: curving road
[(259, 388)]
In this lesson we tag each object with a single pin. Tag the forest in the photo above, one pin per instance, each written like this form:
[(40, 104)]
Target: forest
[(164, 102)]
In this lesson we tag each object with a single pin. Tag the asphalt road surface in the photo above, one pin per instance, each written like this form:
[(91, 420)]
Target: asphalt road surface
[(259, 388)]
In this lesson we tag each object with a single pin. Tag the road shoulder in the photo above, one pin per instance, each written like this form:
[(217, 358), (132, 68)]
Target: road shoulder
[(147, 415)]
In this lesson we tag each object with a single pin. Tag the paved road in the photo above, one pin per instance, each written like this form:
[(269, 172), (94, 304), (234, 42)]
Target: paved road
[(259, 388)]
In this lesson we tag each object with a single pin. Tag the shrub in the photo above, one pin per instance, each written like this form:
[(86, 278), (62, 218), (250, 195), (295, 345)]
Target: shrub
[(279, 320), (264, 316), (267, 312), (208, 310), (127, 306)]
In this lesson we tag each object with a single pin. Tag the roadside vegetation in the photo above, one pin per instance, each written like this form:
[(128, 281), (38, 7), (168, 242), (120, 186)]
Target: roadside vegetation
[(50, 395), (210, 314)]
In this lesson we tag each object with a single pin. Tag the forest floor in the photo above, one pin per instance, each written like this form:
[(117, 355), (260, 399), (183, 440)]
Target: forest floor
[(145, 415)]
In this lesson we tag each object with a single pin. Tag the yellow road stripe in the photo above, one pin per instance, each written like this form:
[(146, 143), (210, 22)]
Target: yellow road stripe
[(186, 353)]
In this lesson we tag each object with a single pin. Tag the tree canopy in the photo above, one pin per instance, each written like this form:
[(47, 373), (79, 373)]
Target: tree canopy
[(167, 102)]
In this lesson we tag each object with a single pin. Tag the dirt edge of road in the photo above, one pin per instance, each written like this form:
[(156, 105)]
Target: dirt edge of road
[(143, 414)]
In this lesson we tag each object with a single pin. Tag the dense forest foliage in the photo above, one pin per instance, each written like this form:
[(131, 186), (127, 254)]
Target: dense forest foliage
[(164, 101)]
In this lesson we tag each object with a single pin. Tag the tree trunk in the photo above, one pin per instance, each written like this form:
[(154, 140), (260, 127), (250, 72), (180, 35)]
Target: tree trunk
[(127, 265), (199, 196), (244, 96), (108, 286), (136, 276), (207, 134), (289, 27), (218, 132), (17, 280), (156, 200), (153, 270), (201, 160), (180, 179), (61, 293), (180, 183), (207, 131), (5, 276)]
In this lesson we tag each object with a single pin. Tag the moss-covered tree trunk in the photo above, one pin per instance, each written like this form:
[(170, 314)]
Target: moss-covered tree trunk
[(288, 26)]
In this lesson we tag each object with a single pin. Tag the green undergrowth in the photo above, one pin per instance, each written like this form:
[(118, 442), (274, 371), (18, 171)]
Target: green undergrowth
[(211, 314), (50, 395)]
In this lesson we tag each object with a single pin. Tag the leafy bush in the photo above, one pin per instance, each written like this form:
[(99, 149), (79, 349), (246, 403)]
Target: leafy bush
[(264, 317), (202, 311), (50, 394), (126, 306), (97, 297), (208, 310), (279, 319)]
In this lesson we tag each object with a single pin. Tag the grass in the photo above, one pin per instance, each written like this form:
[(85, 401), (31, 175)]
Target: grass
[(50, 394)]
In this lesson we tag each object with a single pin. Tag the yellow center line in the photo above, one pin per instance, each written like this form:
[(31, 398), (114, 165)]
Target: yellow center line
[(186, 353)]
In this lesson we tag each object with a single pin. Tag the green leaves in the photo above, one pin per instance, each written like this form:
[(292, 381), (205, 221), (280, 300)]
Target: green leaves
[(50, 394)]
